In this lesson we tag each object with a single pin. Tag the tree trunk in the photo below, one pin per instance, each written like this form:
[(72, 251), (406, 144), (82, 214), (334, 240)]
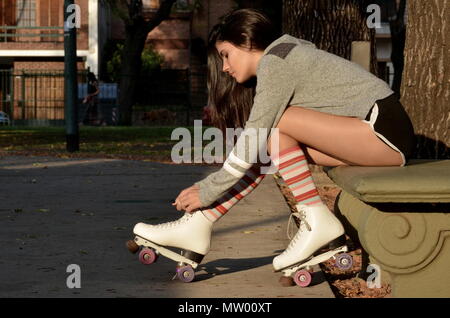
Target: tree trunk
[(331, 25), (131, 65), (425, 87), (137, 27)]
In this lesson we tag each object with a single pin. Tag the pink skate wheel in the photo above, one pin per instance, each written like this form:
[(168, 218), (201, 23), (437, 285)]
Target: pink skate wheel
[(185, 273), (147, 256), (303, 278), (344, 261)]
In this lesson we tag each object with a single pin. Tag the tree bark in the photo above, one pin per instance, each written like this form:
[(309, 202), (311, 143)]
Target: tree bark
[(331, 25), (425, 86)]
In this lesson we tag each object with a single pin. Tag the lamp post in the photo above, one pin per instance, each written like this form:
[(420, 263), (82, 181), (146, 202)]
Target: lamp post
[(70, 78)]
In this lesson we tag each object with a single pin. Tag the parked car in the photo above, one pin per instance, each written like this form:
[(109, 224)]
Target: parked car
[(4, 118)]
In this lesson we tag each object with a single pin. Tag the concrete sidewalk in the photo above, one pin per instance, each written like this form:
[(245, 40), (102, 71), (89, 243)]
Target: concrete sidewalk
[(56, 212)]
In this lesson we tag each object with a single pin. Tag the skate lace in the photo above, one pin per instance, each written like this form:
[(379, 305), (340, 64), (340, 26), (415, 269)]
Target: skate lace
[(300, 215), (186, 217)]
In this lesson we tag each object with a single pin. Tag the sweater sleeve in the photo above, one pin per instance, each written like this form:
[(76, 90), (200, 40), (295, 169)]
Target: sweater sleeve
[(274, 91)]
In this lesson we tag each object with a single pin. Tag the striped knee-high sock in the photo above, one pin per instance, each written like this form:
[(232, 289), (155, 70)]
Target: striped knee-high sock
[(293, 168), (242, 188)]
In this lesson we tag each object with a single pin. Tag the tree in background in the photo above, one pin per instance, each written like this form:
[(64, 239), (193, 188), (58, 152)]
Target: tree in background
[(151, 61), (331, 25), (398, 33), (138, 25), (425, 89)]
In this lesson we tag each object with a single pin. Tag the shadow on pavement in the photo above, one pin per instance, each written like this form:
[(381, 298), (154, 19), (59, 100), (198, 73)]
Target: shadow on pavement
[(230, 265)]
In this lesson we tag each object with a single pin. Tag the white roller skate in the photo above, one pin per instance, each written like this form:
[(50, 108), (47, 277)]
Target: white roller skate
[(319, 229), (191, 233)]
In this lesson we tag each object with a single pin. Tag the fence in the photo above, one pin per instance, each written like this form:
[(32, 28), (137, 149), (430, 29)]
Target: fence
[(33, 97), (36, 97)]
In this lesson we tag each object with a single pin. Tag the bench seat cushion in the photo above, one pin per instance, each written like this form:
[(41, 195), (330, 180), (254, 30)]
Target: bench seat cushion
[(426, 181)]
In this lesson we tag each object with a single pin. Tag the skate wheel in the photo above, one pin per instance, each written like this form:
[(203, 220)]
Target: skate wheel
[(147, 256), (344, 261), (286, 281), (132, 246), (185, 273), (303, 278)]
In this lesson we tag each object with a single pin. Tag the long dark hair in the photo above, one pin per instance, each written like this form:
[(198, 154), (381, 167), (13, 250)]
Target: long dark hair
[(230, 101)]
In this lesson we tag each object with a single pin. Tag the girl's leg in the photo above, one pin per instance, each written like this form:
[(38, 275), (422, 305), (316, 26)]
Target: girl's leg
[(293, 167), (318, 225), (347, 139), (245, 186), (291, 160), (331, 140)]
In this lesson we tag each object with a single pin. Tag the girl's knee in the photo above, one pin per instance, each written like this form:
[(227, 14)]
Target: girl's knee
[(292, 118)]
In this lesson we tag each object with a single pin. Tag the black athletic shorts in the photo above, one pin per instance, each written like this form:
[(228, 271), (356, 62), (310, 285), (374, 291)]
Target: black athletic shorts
[(391, 123)]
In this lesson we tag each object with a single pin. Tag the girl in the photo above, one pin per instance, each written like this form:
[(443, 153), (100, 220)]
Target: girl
[(327, 110)]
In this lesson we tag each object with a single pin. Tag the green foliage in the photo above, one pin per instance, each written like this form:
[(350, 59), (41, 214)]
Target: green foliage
[(151, 61), (113, 65)]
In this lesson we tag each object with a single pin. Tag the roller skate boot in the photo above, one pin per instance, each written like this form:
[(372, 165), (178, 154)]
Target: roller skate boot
[(191, 233), (319, 238)]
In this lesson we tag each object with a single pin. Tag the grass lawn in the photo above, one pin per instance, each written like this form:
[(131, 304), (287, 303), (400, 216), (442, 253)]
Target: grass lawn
[(141, 143)]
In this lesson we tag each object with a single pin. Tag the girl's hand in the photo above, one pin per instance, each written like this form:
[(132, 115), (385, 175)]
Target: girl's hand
[(188, 199)]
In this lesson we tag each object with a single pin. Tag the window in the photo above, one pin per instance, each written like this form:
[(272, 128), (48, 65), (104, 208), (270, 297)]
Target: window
[(26, 13)]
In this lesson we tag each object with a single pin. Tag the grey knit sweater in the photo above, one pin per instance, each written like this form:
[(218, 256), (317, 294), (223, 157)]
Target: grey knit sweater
[(294, 72)]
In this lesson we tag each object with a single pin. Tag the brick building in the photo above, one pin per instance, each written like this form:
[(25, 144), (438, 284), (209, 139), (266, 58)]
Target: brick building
[(32, 54), (33, 45)]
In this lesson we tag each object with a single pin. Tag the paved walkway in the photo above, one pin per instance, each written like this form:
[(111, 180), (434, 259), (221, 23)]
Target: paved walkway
[(56, 212)]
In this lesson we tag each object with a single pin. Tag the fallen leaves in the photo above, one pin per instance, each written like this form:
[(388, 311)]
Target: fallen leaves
[(357, 288)]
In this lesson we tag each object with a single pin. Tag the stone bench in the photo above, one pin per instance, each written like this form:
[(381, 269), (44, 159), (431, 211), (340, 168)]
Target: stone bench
[(401, 218)]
